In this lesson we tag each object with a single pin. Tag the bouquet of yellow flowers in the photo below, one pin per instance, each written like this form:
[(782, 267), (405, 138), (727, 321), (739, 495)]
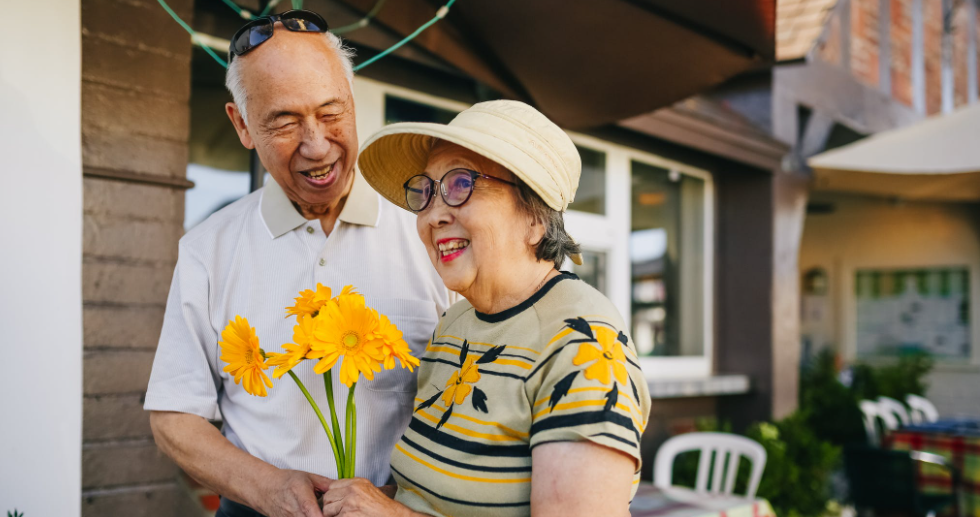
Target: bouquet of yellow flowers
[(329, 330)]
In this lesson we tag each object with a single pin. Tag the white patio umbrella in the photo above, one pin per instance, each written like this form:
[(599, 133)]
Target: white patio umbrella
[(935, 159)]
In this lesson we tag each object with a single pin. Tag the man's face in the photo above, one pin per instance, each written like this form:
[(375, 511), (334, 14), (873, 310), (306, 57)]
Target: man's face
[(300, 117)]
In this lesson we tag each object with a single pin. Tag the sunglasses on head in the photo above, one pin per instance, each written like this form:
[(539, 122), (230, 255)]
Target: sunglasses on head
[(456, 187), (259, 30)]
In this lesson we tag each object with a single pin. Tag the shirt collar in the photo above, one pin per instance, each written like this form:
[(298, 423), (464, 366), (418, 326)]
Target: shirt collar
[(280, 216)]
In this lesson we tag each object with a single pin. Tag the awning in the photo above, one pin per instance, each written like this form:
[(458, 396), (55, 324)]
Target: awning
[(587, 63), (936, 159)]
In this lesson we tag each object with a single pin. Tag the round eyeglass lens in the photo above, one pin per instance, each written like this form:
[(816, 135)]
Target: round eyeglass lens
[(458, 186), (418, 190), (300, 22)]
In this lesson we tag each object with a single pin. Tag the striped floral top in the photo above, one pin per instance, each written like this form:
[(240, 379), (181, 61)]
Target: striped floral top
[(558, 367)]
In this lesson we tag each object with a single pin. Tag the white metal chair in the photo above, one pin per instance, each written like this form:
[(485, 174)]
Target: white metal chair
[(896, 410), (921, 410), (722, 446), (871, 413)]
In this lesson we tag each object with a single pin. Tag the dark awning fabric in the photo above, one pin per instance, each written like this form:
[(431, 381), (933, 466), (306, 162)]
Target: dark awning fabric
[(586, 63)]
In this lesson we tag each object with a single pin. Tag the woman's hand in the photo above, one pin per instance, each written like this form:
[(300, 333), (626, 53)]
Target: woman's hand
[(358, 497)]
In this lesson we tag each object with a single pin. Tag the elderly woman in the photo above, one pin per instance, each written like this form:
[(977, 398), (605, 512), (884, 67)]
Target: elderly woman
[(530, 400)]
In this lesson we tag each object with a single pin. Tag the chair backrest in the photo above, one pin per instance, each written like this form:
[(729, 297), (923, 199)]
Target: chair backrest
[(894, 409), (871, 413), (726, 448), (921, 410)]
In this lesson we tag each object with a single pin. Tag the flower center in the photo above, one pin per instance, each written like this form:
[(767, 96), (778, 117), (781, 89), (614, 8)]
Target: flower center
[(459, 380), (607, 355), (350, 340)]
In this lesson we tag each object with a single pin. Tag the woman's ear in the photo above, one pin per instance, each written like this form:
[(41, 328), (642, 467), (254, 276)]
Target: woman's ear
[(535, 232)]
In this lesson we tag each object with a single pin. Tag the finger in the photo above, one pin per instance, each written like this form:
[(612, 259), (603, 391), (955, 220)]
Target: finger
[(336, 493), (332, 509), (310, 509), (321, 483)]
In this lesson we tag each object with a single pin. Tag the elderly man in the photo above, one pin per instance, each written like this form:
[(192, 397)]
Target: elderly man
[(317, 222)]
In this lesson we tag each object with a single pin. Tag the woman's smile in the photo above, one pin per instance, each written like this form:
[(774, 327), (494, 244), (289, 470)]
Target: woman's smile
[(450, 249)]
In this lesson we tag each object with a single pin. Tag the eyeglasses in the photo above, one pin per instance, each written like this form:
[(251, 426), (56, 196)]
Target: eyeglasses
[(259, 30), (456, 187)]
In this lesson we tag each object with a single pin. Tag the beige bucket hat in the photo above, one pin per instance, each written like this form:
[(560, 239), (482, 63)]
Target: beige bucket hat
[(510, 133)]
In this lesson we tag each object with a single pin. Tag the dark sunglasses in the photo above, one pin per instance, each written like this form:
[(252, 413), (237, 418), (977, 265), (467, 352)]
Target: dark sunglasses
[(456, 187), (259, 30)]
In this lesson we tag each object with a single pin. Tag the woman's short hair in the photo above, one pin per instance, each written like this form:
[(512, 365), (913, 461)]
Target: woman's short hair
[(556, 244)]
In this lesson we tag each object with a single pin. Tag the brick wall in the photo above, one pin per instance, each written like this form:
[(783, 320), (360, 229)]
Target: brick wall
[(864, 44), (135, 91)]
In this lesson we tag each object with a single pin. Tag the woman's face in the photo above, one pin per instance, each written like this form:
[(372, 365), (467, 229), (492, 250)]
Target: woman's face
[(475, 245)]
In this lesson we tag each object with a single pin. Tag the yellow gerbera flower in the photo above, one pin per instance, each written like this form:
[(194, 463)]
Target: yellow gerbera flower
[(295, 351), (458, 387), (394, 345), (309, 301), (240, 349), (345, 330), (609, 357)]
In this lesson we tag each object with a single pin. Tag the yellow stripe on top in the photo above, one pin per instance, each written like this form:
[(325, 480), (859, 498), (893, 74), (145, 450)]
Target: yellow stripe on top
[(512, 432), (458, 476), (468, 432), (579, 390), (535, 352), (507, 362)]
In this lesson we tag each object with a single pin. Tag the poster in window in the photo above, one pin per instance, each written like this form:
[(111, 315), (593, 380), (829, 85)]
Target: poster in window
[(905, 310)]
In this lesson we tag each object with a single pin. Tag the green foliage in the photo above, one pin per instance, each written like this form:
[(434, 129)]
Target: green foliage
[(14, 514), (798, 467), (832, 408)]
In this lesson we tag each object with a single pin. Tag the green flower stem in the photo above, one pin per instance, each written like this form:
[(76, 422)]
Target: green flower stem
[(323, 421), (351, 431), (328, 384)]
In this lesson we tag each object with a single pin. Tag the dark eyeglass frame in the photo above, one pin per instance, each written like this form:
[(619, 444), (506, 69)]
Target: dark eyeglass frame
[(442, 187), (270, 20)]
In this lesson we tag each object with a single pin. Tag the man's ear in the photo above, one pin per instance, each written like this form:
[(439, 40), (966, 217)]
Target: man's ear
[(240, 127)]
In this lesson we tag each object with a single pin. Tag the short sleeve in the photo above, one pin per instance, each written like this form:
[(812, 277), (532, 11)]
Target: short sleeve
[(587, 385), (182, 379)]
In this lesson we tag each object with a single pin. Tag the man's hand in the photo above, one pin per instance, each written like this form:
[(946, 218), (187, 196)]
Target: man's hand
[(358, 497), (293, 493)]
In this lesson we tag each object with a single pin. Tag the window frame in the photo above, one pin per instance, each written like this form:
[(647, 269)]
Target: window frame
[(608, 233)]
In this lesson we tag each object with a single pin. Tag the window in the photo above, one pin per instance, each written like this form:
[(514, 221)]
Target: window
[(667, 261), (591, 194), (592, 270)]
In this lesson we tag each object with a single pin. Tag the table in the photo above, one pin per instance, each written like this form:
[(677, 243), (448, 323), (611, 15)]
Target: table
[(956, 440), (651, 501)]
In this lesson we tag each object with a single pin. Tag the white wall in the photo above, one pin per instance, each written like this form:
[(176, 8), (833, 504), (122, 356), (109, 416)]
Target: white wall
[(865, 232), (41, 260)]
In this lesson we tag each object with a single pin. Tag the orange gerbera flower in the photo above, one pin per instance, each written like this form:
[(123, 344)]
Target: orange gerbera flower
[(394, 345), (295, 351), (346, 330), (309, 301), (458, 387), (608, 357), (240, 349)]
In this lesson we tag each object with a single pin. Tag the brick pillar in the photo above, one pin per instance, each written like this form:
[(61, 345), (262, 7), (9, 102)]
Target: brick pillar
[(135, 123)]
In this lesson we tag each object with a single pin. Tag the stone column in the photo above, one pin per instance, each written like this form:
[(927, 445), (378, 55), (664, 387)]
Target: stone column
[(136, 64)]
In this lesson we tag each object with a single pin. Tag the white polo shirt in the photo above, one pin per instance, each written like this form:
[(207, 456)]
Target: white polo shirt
[(251, 259)]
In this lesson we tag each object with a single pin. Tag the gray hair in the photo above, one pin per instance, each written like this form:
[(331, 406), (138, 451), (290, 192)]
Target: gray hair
[(556, 244), (233, 77)]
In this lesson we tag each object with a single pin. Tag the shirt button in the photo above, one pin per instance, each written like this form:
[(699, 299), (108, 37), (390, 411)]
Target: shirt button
[(309, 229), (323, 262)]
